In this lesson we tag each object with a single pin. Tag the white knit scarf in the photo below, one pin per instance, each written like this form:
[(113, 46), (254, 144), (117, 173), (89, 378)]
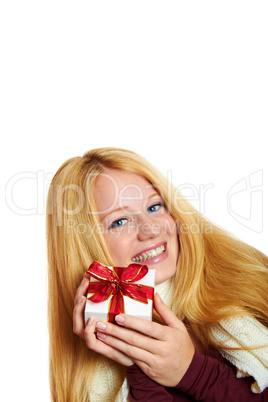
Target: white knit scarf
[(236, 332), (246, 332)]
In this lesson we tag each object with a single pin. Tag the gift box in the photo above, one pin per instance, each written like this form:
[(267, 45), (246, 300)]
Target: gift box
[(115, 290)]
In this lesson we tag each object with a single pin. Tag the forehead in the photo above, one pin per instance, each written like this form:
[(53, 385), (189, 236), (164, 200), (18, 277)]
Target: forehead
[(119, 188)]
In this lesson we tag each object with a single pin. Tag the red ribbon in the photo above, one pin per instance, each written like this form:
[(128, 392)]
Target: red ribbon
[(116, 283)]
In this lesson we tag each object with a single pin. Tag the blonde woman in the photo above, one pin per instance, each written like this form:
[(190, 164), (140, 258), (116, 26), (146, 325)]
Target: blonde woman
[(209, 338)]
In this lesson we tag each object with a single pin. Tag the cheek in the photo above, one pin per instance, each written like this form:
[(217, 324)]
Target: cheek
[(118, 247), (170, 226)]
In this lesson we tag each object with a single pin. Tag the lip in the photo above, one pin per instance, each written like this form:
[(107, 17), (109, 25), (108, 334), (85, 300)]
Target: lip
[(156, 259)]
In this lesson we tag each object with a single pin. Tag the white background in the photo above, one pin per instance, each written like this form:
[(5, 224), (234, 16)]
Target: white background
[(184, 83)]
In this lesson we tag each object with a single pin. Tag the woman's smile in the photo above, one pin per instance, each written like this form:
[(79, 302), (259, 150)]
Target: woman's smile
[(135, 222), (152, 255)]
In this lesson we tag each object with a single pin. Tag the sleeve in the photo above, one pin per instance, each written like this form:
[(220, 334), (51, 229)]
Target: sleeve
[(208, 379), (143, 388)]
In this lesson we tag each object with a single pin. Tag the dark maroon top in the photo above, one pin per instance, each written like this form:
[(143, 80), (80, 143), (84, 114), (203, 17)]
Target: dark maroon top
[(209, 378)]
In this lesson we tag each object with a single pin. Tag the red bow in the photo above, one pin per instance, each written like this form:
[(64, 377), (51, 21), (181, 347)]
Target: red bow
[(116, 283)]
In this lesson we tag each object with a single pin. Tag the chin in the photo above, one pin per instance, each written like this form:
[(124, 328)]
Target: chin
[(162, 278)]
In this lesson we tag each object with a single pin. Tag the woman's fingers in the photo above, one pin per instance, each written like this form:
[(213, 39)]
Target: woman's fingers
[(82, 290), (131, 343), (133, 336), (133, 352), (100, 347), (165, 360), (149, 328), (87, 330), (164, 352), (78, 317), (79, 306), (166, 314)]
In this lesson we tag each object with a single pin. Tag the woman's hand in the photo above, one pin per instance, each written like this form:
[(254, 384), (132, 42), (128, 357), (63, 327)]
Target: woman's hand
[(88, 332), (164, 353)]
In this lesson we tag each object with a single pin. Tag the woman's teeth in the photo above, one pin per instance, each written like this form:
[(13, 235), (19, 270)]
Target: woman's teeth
[(154, 252)]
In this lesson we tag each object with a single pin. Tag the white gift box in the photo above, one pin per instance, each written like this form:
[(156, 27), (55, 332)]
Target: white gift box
[(132, 307)]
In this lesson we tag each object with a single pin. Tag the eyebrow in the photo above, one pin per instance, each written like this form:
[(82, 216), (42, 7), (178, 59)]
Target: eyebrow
[(126, 207)]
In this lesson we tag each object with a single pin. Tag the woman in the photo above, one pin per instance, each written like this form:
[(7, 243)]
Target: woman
[(111, 206)]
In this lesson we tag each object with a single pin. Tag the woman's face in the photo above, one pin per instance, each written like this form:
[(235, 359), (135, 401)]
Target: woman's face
[(136, 225)]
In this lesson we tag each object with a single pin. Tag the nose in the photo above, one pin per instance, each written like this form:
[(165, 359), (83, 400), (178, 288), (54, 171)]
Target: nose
[(147, 228)]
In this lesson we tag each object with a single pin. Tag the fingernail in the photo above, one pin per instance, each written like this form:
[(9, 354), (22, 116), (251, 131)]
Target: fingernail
[(101, 335), (80, 300), (159, 297), (119, 318), (101, 325), (90, 321)]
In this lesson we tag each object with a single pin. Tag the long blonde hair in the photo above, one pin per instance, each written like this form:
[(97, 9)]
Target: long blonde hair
[(217, 275)]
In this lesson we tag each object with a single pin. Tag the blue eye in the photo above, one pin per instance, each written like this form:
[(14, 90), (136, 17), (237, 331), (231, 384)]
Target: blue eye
[(155, 207), (118, 223)]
